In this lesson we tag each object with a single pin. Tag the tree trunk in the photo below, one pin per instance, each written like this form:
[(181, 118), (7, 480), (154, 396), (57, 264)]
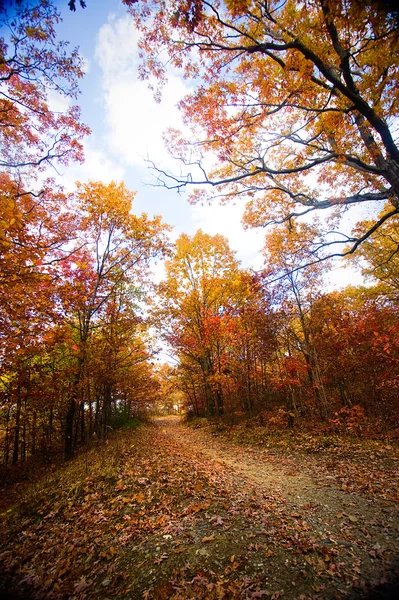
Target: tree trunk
[(70, 416), (15, 453), (73, 403)]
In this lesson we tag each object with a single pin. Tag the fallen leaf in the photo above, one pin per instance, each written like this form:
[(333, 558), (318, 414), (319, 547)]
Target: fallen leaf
[(163, 591)]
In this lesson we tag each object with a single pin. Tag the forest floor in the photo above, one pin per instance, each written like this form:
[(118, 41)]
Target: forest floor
[(171, 511)]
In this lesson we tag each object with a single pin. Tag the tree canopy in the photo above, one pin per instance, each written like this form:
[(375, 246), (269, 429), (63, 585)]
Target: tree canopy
[(296, 103)]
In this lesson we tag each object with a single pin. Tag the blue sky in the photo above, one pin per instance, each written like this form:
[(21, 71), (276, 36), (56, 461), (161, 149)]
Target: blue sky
[(127, 127)]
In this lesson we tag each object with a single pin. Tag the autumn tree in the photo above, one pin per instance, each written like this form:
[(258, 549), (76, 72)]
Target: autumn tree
[(194, 297), (296, 290), (120, 365), (74, 346), (34, 229), (355, 333), (35, 67), (219, 323), (73, 269), (116, 249), (378, 257), (295, 101), (171, 393)]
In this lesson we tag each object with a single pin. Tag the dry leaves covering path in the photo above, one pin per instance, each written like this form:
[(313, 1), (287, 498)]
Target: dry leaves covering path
[(170, 512)]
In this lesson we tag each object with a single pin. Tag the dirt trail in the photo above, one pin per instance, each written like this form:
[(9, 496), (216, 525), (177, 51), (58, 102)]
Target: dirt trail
[(366, 526), (168, 512), (282, 477)]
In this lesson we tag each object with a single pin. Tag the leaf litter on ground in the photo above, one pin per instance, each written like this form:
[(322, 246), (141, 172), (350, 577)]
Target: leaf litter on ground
[(166, 511)]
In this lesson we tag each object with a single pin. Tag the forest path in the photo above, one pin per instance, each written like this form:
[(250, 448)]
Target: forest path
[(278, 474), (295, 480), (310, 499), (171, 512)]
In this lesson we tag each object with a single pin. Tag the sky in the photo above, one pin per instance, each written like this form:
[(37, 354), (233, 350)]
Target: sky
[(127, 128)]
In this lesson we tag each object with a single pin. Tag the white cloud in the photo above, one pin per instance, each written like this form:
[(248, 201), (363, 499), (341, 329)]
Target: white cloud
[(57, 102), (97, 167), (226, 220), (343, 276), (135, 121), (158, 272), (116, 49)]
